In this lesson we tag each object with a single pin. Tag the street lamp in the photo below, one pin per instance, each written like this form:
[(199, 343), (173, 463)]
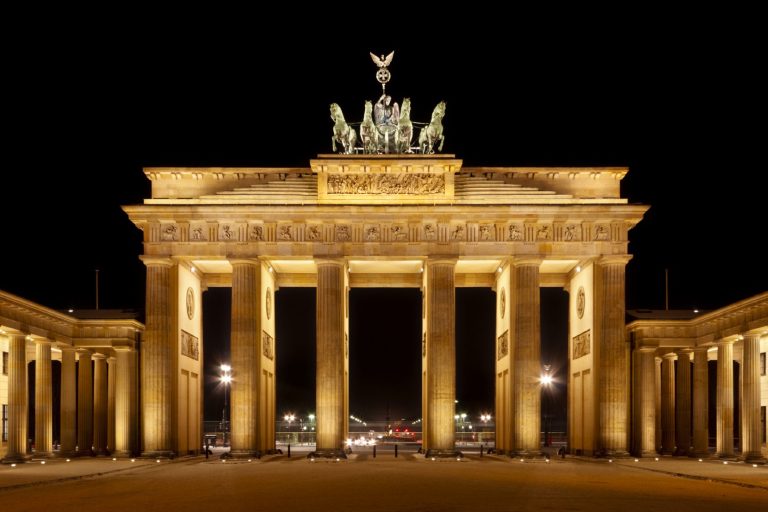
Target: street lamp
[(485, 418), (289, 418), (546, 382), (226, 379)]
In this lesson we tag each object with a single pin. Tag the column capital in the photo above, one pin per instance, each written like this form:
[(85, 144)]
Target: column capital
[(440, 261), (704, 349), (646, 349), (526, 261), (42, 341), (66, 348), (684, 353), (83, 351), (613, 259), (123, 348), (244, 261), (157, 261), (670, 355), (98, 355), (725, 341), (339, 262), (752, 335)]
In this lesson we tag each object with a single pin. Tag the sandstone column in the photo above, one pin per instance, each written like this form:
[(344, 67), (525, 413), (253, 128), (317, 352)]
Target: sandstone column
[(246, 285), (68, 407), (657, 395), (330, 358), (645, 401), (683, 404), (17, 399), (111, 381), (125, 401), (100, 404), (612, 352), (751, 426), (525, 306), (700, 402), (725, 398), (43, 399), (668, 404), (84, 403), (158, 350)]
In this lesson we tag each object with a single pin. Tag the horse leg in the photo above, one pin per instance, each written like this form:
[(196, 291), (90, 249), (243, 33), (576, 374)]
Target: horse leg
[(442, 140)]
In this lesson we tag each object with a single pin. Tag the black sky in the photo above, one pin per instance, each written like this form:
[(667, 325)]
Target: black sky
[(675, 102)]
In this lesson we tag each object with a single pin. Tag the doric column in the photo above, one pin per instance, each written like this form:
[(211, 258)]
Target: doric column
[(657, 396), (683, 404), (525, 306), (84, 403), (700, 402), (111, 381), (613, 356), (330, 357), (158, 349), (43, 399), (125, 401), (246, 285), (100, 404), (750, 400), (441, 357), (668, 404), (645, 401), (725, 398), (68, 407), (17, 399)]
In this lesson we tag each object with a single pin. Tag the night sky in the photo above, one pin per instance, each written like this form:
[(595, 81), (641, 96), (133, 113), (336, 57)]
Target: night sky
[(676, 105)]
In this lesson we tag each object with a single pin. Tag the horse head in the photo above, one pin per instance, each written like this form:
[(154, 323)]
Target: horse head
[(368, 111), (336, 113), (439, 112), (405, 109)]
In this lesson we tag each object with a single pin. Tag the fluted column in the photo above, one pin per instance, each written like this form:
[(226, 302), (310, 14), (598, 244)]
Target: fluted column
[(125, 401), (700, 402), (43, 399), (668, 404), (645, 401), (750, 400), (68, 403), (100, 404), (683, 404), (330, 357), (613, 353), (440, 357), (527, 354), (17, 399), (84, 403), (657, 396), (158, 349), (111, 381), (246, 283), (725, 398)]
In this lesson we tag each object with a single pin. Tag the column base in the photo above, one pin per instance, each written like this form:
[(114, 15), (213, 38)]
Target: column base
[(614, 454), (679, 452), (42, 455), (434, 453), (699, 454), (333, 453), (158, 454), (241, 454), (84, 453), (122, 453), (68, 454), (726, 456), (14, 459), (754, 458)]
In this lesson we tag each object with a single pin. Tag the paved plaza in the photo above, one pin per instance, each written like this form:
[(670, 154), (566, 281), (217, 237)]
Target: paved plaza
[(362, 483)]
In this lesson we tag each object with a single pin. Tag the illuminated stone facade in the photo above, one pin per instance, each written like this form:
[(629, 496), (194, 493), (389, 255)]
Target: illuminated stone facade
[(683, 344), (376, 220), (103, 403)]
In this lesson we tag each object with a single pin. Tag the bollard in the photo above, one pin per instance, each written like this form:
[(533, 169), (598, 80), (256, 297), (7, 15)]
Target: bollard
[(289, 450), (395, 450), (481, 451), (374, 451)]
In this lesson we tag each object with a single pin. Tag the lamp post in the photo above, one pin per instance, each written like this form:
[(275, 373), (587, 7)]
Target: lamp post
[(226, 379), (485, 418), (546, 383), (289, 418)]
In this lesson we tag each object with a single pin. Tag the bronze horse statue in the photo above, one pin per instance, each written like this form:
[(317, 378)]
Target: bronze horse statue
[(342, 133), (433, 132), (405, 128), (369, 135)]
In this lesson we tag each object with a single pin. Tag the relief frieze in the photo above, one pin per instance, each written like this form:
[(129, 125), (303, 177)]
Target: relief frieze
[(581, 344), (389, 184)]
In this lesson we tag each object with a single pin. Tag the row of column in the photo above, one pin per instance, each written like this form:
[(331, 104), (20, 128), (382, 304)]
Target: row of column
[(677, 404), (102, 404)]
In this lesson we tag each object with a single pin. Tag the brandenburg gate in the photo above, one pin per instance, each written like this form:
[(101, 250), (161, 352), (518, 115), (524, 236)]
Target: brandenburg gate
[(385, 220)]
